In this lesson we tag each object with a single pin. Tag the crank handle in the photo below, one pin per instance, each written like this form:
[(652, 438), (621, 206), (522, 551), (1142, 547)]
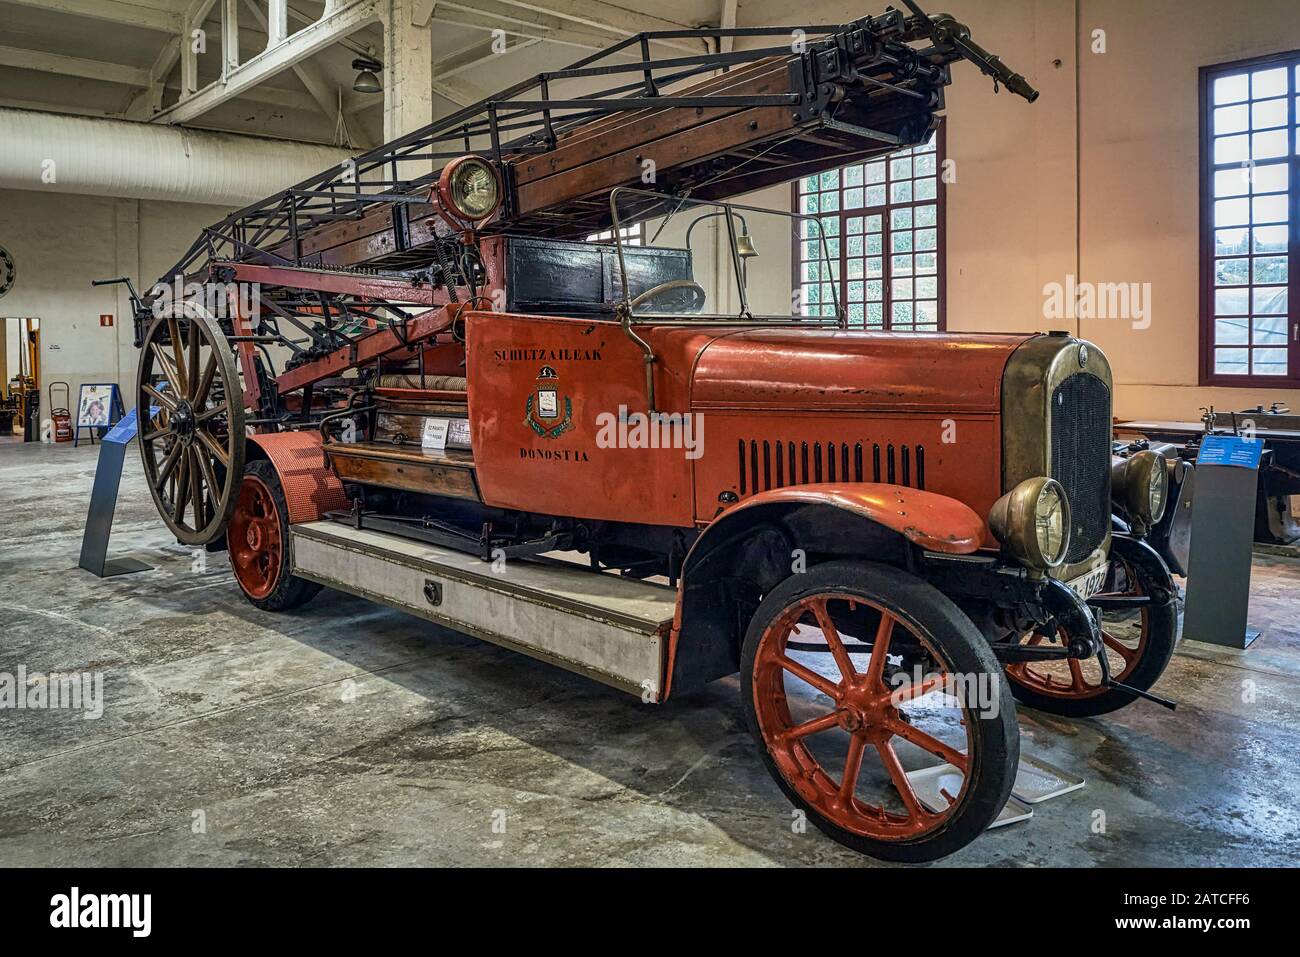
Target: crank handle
[(1163, 702)]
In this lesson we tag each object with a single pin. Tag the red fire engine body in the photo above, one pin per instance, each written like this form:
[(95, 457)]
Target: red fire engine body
[(887, 535)]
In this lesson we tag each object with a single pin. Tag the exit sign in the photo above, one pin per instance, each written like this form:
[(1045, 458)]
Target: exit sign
[(105, 319)]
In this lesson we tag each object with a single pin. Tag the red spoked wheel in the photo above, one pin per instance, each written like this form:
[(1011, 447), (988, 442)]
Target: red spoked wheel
[(254, 538), (1137, 639), (258, 541), (840, 730)]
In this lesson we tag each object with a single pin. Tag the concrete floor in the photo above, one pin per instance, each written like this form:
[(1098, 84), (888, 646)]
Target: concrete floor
[(348, 734)]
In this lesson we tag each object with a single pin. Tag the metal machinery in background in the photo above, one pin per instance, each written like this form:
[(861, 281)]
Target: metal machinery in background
[(20, 397), (370, 264), (1279, 473)]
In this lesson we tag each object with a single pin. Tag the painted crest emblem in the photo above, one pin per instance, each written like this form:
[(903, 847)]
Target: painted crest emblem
[(542, 410)]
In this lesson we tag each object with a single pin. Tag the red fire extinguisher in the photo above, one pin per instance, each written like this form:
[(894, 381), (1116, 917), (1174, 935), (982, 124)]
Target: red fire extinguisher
[(60, 414)]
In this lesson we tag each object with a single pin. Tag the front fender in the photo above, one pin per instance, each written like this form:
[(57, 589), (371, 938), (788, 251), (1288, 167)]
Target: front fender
[(748, 549), (931, 521), (1158, 580)]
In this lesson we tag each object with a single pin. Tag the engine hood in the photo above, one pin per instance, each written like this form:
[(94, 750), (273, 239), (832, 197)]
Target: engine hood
[(834, 370)]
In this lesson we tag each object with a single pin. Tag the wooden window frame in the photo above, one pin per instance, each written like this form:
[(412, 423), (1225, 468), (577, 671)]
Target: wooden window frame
[(940, 200), (1207, 168)]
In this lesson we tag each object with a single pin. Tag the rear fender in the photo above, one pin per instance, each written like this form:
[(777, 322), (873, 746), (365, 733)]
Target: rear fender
[(753, 546), (310, 486)]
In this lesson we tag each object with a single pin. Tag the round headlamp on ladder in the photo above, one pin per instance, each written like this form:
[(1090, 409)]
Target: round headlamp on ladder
[(469, 191)]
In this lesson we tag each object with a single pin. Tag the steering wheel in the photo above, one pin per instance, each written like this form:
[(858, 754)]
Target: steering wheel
[(679, 295)]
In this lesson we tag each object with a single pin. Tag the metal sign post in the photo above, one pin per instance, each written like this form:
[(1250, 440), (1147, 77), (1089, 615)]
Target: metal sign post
[(1223, 524), (103, 503)]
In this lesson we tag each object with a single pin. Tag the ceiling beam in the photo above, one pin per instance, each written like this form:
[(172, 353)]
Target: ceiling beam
[(459, 95), (276, 22), (448, 68), (308, 73), (196, 16), (73, 66), (39, 107), (322, 90), (533, 20), (517, 23), (149, 101), (229, 36), (274, 96), (422, 12), (265, 95), (143, 15), (606, 17), (344, 17), (727, 21), (477, 55)]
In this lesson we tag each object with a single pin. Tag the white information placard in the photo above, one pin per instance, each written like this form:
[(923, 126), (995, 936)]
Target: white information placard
[(435, 434)]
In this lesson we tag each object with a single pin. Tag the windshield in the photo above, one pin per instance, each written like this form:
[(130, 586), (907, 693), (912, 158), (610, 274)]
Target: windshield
[(682, 258)]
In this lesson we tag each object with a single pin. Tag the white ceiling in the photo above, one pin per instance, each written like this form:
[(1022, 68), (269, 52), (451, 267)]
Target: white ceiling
[(94, 57)]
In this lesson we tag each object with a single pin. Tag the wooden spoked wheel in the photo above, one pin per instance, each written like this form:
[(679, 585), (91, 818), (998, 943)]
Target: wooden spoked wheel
[(191, 423), (842, 729)]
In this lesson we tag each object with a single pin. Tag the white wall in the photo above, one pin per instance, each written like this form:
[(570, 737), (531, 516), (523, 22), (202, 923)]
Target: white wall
[(61, 242)]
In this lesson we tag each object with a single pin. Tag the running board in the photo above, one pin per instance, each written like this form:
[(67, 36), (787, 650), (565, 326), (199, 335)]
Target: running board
[(612, 629)]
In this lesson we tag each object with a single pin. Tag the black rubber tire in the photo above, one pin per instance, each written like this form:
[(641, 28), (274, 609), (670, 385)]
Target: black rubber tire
[(290, 591), (1156, 655), (995, 747)]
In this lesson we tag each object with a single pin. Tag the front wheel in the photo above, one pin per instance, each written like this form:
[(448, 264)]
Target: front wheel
[(1138, 643), (838, 734), (257, 538)]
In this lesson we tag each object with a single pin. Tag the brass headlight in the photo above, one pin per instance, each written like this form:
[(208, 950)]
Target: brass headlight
[(1140, 486), (470, 189), (1032, 522)]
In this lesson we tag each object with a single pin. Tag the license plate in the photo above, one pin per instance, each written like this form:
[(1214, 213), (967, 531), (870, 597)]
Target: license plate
[(1087, 585)]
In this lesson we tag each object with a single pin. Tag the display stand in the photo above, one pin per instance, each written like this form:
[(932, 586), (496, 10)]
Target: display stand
[(116, 412), (103, 503), (1036, 781), (1223, 524)]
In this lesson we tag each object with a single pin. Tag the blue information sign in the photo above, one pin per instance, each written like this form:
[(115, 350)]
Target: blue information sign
[(1230, 450), (124, 431), (127, 427)]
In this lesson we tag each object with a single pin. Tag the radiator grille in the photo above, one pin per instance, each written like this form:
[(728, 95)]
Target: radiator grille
[(763, 464), (1081, 431)]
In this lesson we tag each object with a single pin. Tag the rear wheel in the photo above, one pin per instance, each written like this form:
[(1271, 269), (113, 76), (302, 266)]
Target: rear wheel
[(838, 731), (261, 553)]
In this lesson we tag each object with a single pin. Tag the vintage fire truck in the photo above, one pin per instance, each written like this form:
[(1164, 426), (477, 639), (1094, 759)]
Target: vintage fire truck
[(498, 376)]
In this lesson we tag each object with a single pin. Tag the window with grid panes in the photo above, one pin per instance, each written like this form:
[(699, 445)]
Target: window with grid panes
[(633, 235), (883, 225), (1250, 178)]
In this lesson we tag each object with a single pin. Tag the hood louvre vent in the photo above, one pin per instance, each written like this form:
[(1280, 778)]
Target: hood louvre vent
[(764, 465)]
